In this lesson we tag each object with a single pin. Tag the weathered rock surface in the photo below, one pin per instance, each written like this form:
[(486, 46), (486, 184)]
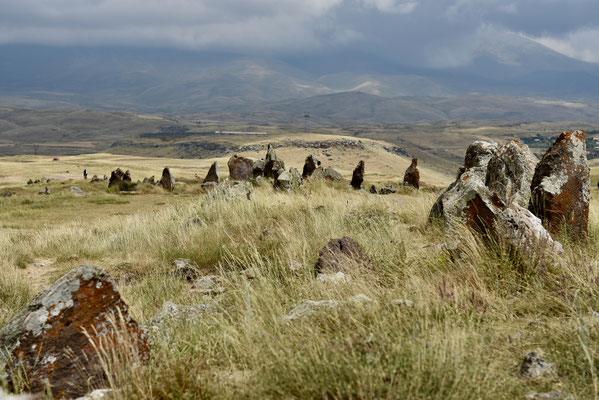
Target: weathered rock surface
[(312, 307), (209, 284), (47, 341), (167, 181), (534, 366), (174, 312), (296, 177), (225, 192), (389, 189), (240, 168), (258, 167), (97, 394), (412, 175), (213, 175), (328, 174), (151, 180), (358, 176), (337, 278), (77, 192), (561, 186), (310, 166), (510, 171), (184, 268), (345, 255), (283, 181)]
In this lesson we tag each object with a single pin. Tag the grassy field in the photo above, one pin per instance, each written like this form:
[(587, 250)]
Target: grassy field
[(472, 321)]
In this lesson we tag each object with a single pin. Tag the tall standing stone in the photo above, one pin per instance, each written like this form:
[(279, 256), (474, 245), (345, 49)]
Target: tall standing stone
[(167, 181), (212, 175), (412, 175), (240, 168), (310, 166), (47, 342), (358, 176), (560, 188), (272, 163)]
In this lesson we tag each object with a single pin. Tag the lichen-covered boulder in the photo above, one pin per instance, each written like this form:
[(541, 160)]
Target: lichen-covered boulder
[(345, 255), (47, 342), (510, 172), (358, 176), (212, 176), (225, 192), (310, 166), (167, 181), (561, 186), (412, 175), (240, 168)]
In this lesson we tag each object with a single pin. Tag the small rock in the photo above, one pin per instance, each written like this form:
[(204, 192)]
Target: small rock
[(295, 265), (97, 394), (210, 284), (534, 366), (343, 254), (77, 192), (373, 189), (545, 396), (196, 220), (389, 189), (337, 278), (171, 311), (224, 192), (44, 191), (186, 269), (402, 302)]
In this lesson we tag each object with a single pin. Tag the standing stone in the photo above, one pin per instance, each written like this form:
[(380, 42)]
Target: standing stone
[(296, 177), (310, 165), (412, 175), (46, 340), (127, 176), (373, 189), (258, 167), (510, 172), (561, 186), (358, 176), (272, 163), (240, 168), (167, 181), (116, 177), (343, 255), (212, 175)]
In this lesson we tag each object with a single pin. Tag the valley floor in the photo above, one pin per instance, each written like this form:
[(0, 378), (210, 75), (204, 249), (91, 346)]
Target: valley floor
[(461, 331)]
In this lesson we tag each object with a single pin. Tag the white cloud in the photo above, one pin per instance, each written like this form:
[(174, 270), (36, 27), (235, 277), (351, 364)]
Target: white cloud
[(582, 44)]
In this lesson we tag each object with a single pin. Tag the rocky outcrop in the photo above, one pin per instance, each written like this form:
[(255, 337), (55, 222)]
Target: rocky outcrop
[(167, 181), (358, 176), (240, 168), (561, 186), (510, 172), (46, 340), (534, 366), (412, 175), (225, 192), (212, 176), (310, 166), (283, 181), (345, 255)]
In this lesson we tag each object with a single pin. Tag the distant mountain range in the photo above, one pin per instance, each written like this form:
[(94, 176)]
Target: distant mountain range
[(507, 78)]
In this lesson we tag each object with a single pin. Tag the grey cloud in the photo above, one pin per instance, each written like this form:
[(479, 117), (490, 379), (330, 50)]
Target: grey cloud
[(428, 32)]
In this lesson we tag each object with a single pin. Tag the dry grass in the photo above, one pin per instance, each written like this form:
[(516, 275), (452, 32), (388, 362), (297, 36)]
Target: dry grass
[(472, 321)]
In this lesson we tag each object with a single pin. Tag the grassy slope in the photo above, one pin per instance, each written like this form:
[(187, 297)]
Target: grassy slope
[(472, 322)]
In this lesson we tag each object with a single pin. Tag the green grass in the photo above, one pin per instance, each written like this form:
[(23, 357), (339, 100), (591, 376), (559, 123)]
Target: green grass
[(473, 320)]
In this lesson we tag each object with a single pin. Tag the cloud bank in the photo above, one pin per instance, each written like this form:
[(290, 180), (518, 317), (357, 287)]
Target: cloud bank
[(426, 32)]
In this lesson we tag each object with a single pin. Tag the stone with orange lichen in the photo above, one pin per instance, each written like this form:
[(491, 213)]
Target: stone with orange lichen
[(561, 186), (47, 340)]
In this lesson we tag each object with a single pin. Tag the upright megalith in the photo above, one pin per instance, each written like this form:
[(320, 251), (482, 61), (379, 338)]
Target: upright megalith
[(510, 172), (310, 166), (240, 168), (560, 188), (272, 164), (47, 341), (412, 175), (117, 177), (358, 176), (167, 181), (212, 176)]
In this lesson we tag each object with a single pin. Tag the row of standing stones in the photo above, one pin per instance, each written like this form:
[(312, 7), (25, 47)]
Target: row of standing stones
[(501, 192)]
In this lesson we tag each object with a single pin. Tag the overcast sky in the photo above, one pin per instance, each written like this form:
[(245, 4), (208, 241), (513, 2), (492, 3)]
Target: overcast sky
[(434, 32)]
